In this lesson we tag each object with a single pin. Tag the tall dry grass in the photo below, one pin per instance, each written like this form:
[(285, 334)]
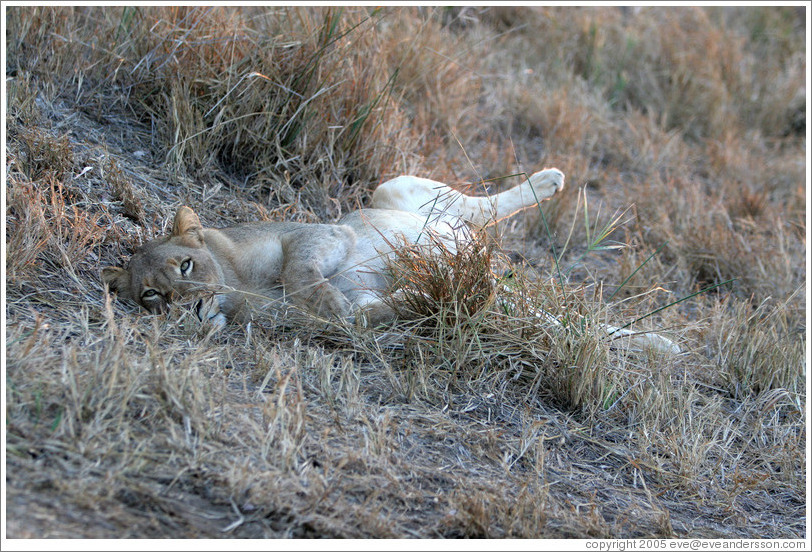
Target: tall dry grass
[(682, 134)]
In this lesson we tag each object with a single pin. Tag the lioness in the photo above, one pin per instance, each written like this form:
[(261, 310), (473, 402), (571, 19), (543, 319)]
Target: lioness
[(326, 269)]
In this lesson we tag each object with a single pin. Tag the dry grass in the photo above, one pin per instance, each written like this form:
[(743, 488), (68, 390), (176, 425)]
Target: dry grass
[(682, 134)]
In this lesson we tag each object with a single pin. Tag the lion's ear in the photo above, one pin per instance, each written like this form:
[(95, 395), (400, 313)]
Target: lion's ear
[(118, 279), (187, 225)]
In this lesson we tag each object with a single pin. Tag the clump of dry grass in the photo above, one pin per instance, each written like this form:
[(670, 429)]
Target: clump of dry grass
[(543, 338), (761, 351), (476, 415), (452, 282)]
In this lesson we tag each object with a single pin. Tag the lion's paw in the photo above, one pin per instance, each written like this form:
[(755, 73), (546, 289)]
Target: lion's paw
[(329, 302), (547, 182)]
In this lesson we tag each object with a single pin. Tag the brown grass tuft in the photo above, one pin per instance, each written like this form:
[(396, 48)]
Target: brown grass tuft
[(445, 282)]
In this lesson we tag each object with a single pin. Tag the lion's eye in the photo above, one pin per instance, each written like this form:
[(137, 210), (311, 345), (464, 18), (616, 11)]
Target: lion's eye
[(149, 293), (186, 266)]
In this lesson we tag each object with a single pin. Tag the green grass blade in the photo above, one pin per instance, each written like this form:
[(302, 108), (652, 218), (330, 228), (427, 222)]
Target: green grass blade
[(630, 276), (669, 305)]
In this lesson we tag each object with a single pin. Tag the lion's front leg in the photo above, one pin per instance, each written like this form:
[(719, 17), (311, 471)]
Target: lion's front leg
[(311, 256), (372, 310)]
